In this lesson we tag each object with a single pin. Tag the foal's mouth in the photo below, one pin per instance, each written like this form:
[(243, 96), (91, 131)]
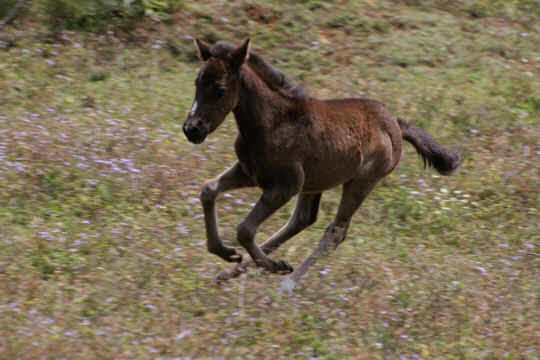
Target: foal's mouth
[(195, 134), (196, 138)]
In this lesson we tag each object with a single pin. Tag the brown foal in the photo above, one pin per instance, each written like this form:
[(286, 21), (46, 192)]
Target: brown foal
[(289, 144)]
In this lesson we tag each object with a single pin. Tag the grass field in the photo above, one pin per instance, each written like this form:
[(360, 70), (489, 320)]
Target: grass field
[(102, 243)]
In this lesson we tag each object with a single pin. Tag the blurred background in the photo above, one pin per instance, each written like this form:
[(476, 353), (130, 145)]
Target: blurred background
[(102, 241)]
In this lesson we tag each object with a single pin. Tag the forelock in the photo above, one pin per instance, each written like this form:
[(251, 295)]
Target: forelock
[(214, 70), (222, 50)]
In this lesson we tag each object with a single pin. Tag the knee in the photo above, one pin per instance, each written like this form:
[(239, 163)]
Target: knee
[(246, 234), (208, 193)]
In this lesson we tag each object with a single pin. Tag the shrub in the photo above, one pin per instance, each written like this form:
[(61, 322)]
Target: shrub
[(8, 6), (98, 14), (5, 8)]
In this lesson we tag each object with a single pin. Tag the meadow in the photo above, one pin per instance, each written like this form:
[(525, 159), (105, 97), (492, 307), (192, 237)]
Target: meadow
[(102, 241)]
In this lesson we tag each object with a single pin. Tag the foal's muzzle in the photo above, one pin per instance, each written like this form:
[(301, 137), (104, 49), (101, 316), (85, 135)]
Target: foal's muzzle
[(195, 133)]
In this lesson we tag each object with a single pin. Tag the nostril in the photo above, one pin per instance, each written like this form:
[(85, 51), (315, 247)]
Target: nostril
[(195, 130)]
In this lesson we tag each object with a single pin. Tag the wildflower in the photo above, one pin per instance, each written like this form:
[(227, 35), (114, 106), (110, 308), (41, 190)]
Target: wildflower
[(324, 272), (482, 270)]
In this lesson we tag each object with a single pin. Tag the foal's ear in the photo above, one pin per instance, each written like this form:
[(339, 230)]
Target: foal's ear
[(203, 49), (240, 55)]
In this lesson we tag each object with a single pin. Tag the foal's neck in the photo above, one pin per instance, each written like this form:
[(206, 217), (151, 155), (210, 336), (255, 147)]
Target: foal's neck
[(259, 106)]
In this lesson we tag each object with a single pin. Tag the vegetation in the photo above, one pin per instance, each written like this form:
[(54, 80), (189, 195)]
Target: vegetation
[(102, 239)]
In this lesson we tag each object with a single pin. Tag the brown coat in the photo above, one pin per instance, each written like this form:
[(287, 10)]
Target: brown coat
[(288, 144)]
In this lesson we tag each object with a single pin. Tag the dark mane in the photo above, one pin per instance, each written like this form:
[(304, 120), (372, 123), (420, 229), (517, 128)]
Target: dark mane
[(274, 78)]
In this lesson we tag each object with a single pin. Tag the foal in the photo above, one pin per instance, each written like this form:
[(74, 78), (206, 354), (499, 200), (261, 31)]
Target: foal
[(288, 144)]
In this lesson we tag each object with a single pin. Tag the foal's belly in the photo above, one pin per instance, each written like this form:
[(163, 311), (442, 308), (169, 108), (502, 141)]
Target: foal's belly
[(330, 171)]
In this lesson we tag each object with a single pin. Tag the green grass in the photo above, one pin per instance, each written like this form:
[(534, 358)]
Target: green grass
[(102, 243)]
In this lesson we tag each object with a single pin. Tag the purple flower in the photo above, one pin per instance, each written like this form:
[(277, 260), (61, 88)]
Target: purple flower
[(482, 270), (324, 272), (48, 321)]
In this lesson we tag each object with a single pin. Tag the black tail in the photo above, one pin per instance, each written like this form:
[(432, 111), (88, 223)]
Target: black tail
[(445, 161)]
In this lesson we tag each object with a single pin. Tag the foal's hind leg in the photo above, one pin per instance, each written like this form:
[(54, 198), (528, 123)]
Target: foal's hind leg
[(304, 215), (354, 193), (233, 178)]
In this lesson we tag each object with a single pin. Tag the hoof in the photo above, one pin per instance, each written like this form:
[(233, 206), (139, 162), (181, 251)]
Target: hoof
[(223, 276), (226, 275), (280, 267), (236, 258), (229, 254), (287, 286), (283, 268)]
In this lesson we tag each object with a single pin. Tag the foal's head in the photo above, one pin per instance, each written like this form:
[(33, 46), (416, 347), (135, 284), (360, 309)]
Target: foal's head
[(217, 88)]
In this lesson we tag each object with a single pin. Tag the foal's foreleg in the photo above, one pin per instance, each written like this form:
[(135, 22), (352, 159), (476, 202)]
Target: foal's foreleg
[(354, 193), (304, 215), (232, 178), (271, 200)]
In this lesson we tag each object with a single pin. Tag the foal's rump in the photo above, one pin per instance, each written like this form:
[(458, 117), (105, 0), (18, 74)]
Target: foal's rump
[(351, 138)]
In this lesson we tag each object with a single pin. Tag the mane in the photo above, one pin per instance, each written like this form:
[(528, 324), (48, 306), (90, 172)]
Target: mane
[(274, 78)]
